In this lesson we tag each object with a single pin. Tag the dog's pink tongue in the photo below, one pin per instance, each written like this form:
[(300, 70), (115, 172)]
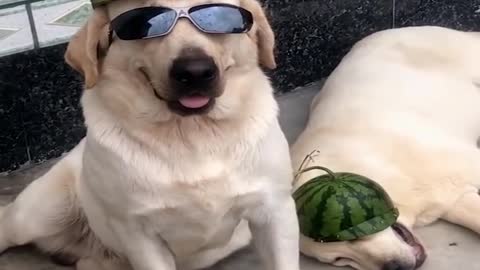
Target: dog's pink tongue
[(194, 102)]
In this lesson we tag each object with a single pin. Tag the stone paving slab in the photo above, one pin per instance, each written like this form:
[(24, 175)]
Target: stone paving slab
[(48, 32), (449, 247)]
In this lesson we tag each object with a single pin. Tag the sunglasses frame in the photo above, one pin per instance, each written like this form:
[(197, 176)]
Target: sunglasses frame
[(184, 12)]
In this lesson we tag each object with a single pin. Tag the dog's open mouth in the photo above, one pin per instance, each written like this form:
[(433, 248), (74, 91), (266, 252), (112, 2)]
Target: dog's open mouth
[(194, 101), (185, 105), (192, 104), (407, 236)]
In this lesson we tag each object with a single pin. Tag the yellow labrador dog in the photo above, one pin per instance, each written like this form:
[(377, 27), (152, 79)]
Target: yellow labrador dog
[(403, 108), (184, 159)]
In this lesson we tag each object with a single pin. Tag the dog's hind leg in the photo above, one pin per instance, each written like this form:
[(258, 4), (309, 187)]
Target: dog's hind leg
[(466, 212), (39, 211)]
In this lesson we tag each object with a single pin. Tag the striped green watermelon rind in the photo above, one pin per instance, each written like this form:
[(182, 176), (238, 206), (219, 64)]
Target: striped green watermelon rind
[(366, 228), (300, 192), (342, 209)]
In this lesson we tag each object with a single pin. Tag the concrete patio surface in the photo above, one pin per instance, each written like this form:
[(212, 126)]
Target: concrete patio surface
[(449, 247)]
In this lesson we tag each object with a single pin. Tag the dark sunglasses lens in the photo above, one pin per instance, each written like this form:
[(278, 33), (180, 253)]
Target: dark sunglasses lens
[(222, 19), (144, 22)]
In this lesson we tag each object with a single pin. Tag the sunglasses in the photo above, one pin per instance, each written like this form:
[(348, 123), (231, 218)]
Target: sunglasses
[(151, 22)]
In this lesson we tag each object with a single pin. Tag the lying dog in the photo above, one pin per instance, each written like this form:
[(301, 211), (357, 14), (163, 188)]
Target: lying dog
[(402, 108), (184, 157)]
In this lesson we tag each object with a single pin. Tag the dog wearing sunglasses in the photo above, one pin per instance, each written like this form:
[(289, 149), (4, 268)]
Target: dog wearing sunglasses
[(184, 161)]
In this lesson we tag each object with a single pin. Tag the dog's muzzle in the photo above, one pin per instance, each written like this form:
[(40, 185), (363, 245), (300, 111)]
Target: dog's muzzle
[(195, 83)]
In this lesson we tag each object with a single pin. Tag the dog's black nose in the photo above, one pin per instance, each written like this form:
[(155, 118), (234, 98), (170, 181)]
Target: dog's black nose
[(397, 265), (194, 71)]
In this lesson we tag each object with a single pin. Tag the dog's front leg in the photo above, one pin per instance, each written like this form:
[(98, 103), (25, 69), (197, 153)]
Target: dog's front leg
[(275, 233), (144, 251)]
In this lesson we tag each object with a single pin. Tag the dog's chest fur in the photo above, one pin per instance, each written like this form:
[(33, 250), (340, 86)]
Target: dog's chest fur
[(200, 216), (193, 206)]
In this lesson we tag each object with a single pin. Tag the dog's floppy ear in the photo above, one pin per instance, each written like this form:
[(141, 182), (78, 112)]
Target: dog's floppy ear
[(262, 34), (83, 48)]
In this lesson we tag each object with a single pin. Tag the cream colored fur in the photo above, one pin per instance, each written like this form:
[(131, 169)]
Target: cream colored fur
[(147, 189), (402, 108)]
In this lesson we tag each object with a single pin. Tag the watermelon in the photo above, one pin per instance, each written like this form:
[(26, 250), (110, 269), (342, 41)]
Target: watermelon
[(342, 206)]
